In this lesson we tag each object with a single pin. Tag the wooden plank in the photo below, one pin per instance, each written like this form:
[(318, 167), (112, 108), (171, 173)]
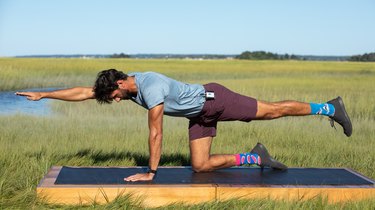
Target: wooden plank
[(155, 195), (150, 196), (296, 193)]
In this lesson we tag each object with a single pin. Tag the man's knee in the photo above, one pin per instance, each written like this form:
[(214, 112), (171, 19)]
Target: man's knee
[(200, 167)]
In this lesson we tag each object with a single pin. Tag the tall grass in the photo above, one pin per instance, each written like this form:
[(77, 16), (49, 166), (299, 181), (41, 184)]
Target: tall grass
[(86, 133)]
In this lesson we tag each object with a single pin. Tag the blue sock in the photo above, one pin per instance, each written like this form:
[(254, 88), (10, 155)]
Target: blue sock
[(322, 109), (247, 158)]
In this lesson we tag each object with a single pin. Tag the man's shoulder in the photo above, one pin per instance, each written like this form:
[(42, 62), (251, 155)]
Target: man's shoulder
[(152, 77), (152, 74), (141, 76), (151, 81), (146, 73)]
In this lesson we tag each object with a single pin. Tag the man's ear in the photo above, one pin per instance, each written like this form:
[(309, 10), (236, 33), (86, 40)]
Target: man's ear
[(119, 82)]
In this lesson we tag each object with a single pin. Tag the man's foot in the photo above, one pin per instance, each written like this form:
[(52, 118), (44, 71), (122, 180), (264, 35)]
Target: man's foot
[(340, 116), (265, 159)]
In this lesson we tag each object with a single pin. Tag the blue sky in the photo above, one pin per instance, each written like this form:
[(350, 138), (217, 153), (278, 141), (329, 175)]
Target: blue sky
[(320, 27)]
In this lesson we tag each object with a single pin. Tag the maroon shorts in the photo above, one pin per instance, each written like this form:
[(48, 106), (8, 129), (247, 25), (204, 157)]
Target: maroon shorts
[(226, 106)]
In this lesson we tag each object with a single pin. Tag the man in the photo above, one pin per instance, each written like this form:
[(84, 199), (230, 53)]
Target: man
[(203, 105)]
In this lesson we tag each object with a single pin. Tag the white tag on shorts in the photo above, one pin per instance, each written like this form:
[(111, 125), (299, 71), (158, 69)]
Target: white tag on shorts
[(210, 95)]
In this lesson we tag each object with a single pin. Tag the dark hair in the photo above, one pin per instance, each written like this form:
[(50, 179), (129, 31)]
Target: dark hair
[(106, 83)]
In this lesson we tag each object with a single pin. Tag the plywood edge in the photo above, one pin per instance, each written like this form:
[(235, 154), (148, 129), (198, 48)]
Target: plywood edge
[(332, 194), (126, 186), (50, 177), (150, 197), (370, 186)]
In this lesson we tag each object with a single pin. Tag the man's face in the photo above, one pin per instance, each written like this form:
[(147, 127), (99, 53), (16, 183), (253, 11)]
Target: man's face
[(122, 93)]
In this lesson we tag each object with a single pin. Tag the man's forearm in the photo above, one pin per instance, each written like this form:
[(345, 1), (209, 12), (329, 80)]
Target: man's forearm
[(71, 94), (155, 145)]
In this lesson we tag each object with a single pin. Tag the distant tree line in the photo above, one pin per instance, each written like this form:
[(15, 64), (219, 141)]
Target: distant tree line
[(248, 55), (367, 57), (121, 55), (262, 55)]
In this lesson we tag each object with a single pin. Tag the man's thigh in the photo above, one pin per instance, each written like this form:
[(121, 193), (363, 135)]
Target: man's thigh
[(231, 106), (200, 150)]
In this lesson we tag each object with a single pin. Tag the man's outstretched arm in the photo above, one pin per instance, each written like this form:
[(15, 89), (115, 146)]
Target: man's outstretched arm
[(155, 124), (70, 94)]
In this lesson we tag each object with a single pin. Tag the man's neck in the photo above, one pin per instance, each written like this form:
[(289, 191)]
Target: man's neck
[(133, 89)]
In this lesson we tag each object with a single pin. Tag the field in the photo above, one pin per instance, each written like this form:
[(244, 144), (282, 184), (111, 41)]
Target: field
[(88, 134)]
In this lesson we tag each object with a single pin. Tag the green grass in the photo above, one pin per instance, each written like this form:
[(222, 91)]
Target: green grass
[(86, 133)]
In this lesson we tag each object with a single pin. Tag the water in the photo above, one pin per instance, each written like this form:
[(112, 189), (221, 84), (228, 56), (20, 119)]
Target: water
[(11, 104)]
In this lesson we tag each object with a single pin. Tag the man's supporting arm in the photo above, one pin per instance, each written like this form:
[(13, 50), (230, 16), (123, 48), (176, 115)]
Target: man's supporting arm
[(155, 124), (71, 94)]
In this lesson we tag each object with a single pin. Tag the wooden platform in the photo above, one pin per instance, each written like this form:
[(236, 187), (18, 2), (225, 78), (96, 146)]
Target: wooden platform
[(85, 185)]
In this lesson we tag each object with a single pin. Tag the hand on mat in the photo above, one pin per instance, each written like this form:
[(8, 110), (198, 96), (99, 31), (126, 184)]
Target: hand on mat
[(33, 96), (140, 177)]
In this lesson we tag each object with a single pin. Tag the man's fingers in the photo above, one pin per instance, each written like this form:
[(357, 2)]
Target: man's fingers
[(21, 94), (29, 95), (138, 177), (129, 178), (133, 177), (24, 94)]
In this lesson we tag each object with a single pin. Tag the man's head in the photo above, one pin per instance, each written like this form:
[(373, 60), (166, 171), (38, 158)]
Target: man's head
[(106, 83)]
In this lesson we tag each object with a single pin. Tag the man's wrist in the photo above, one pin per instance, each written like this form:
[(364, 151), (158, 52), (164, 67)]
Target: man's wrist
[(150, 171), (42, 95)]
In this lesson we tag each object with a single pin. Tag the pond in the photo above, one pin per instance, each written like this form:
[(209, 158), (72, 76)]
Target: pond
[(11, 104)]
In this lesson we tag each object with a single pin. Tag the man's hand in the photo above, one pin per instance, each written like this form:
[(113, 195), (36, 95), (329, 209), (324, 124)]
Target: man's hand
[(32, 96), (140, 177)]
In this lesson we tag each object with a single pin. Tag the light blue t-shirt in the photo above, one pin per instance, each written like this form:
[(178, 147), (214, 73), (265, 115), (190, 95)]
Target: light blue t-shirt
[(180, 99)]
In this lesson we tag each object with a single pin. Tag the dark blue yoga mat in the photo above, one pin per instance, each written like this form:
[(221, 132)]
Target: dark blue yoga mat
[(240, 175)]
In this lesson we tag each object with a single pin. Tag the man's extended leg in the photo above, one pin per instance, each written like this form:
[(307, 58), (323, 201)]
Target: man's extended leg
[(334, 109)]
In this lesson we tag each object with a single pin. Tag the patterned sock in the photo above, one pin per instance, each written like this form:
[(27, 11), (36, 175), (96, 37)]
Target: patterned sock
[(247, 158), (322, 109)]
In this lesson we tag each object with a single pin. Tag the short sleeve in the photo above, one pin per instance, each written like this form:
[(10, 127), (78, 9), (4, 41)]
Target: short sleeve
[(154, 91)]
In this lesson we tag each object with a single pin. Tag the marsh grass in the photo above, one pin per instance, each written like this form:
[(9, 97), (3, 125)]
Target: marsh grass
[(82, 134)]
